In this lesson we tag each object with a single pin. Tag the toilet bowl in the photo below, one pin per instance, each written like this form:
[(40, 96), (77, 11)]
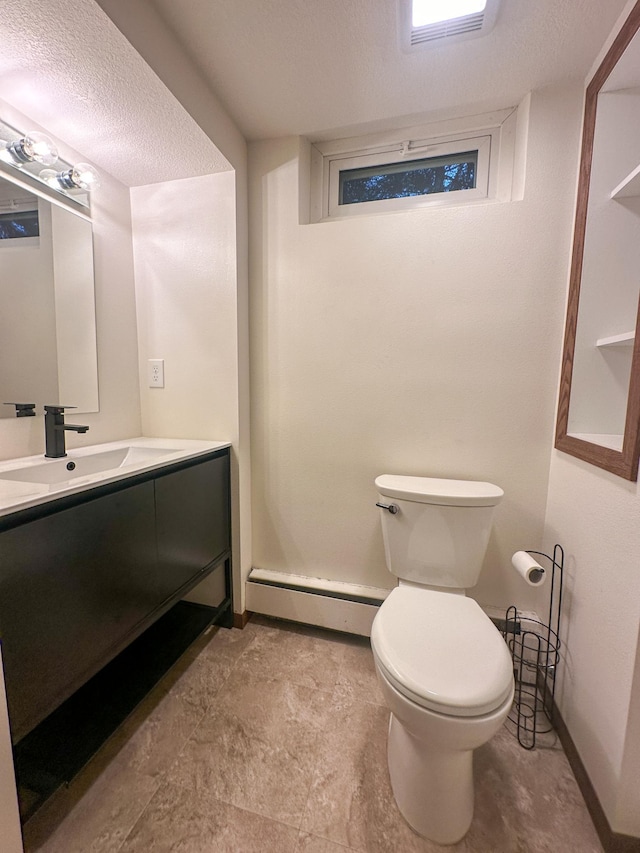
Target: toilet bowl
[(449, 687), (445, 671)]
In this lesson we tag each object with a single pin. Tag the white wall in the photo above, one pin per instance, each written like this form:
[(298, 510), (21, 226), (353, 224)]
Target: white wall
[(422, 342), (146, 30), (595, 515), (186, 286)]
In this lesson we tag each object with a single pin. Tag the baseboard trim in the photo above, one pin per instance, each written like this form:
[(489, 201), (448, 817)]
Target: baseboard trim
[(612, 842), (241, 619), (326, 609), (320, 586)]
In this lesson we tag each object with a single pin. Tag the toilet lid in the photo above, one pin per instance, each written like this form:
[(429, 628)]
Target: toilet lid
[(442, 651)]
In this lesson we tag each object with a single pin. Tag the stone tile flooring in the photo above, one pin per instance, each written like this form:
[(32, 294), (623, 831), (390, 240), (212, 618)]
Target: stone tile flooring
[(274, 739)]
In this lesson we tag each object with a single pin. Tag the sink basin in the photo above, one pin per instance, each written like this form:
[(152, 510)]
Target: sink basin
[(58, 470), (35, 480)]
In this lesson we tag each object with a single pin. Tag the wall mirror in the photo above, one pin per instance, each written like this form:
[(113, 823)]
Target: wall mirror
[(47, 303), (599, 406)]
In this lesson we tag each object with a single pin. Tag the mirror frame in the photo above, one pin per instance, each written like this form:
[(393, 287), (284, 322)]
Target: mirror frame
[(623, 463)]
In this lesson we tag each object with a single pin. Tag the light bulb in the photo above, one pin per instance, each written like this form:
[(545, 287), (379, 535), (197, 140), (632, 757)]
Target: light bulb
[(33, 147), (85, 177), (82, 176), (50, 177)]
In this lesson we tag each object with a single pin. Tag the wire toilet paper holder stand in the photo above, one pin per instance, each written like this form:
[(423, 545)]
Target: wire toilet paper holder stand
[(535, 652)]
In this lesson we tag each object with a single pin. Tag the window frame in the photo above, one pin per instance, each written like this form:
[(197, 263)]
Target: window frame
[(508, 129), (406, 153)]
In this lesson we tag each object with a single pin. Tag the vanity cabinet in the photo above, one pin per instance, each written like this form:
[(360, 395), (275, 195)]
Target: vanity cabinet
[(82, 577)]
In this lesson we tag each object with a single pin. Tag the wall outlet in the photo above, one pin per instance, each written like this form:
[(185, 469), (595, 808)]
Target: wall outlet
[(156, 372)]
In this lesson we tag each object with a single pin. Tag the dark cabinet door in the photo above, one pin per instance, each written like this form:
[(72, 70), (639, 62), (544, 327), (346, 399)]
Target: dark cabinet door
[(192, 516), (78, 585), (72, 586)]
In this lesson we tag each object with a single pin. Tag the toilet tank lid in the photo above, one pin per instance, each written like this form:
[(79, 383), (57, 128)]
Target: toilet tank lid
[(432, 490)]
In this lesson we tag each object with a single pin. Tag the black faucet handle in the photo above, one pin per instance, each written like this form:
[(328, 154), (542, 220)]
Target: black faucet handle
[(24, 410), (58, 410)]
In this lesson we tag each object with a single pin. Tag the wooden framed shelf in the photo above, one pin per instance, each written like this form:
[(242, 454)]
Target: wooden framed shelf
[(626, 339), (629, 187), (613, 376)]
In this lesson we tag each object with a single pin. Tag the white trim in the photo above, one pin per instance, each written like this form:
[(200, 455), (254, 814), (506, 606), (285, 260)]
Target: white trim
[(20, 243), (407, 152), (505, 130), (303, 582), (337, 614), (324, 611), (433, 130)]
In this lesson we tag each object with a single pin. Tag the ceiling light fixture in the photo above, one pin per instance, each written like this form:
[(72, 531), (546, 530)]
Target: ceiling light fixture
[(426, 12), (428, 21)]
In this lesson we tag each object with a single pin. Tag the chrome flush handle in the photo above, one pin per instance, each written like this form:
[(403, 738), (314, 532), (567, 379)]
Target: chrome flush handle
[(393, 509)]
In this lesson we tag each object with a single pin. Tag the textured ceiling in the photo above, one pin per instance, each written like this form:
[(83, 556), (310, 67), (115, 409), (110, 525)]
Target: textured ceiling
[(66, 66), (308, 66)]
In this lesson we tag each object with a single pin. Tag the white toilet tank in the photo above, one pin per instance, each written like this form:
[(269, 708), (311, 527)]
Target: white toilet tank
[(440, 532)]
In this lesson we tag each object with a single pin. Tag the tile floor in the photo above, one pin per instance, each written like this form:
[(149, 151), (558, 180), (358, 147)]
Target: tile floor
[(274, 739)]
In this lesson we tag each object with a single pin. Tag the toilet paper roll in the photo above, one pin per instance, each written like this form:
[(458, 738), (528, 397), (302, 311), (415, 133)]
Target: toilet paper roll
[(526, 567)]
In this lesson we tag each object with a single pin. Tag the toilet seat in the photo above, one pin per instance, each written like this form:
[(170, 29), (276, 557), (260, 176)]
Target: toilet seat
[(442, 652)]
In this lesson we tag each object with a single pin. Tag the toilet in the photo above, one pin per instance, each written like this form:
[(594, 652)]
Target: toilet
[(445, 670)]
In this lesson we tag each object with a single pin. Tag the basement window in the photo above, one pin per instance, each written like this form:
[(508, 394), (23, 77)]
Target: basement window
[(457, 162), (408, 174), (401, 180)]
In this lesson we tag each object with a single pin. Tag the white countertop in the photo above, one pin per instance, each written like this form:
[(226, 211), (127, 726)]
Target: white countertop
[(20, 494)]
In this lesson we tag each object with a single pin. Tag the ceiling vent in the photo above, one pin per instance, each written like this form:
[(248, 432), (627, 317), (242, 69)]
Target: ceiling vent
[(447, 31)]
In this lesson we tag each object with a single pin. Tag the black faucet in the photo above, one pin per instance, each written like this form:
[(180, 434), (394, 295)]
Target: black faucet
[(24, 410), (54, 427)]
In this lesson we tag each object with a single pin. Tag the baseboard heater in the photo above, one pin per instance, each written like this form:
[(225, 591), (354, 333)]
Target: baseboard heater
[(315, 601)]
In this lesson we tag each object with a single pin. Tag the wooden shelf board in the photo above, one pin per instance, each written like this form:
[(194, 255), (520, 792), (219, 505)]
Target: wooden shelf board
[(626, 339), (614, 442), (629, 187)]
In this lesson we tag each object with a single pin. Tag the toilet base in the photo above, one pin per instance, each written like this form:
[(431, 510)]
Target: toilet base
[(433, 789)]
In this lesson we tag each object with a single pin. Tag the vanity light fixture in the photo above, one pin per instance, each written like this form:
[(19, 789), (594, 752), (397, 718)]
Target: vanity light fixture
[(22, 157), (33, 147), (82, 176)]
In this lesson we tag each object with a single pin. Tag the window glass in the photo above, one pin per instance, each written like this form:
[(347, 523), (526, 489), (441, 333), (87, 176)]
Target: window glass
[(401, 180), (19, 224)]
